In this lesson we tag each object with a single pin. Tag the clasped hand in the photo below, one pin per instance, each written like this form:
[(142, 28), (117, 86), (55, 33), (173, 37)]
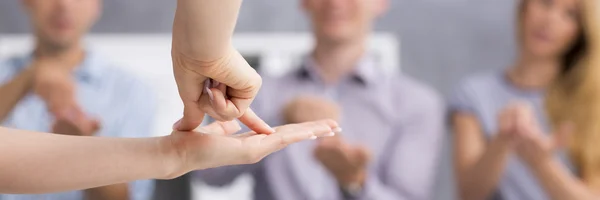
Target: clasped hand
[(55, 85), (519, 127)]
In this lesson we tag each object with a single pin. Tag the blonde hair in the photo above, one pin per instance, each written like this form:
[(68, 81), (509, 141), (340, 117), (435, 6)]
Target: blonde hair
[(575, 98)]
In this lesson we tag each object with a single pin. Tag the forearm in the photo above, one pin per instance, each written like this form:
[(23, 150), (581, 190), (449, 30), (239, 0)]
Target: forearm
[(559, 183), (112, 192), (13, 91), (203, 28), (479, 180), (43, 163)]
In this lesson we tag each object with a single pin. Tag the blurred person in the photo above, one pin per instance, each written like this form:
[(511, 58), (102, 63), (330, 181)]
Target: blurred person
[(532, 150), (88, 162), (393, 125), (63, 87)]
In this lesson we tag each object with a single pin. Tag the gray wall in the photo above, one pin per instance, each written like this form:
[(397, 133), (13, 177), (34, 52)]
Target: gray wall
[(442, 40)]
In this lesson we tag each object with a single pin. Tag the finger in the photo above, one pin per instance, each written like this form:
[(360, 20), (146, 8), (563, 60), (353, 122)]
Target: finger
[(220, 107), (192, 118), (218, 127), (297, 132), (243, 80), (255, 123), (190, 87)]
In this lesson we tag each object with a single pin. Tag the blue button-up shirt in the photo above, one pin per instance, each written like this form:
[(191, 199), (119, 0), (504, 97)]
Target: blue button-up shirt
[(123, 104), (399, 119)]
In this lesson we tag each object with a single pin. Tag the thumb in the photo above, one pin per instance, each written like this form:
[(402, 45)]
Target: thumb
[(561, 138), (192, 118)]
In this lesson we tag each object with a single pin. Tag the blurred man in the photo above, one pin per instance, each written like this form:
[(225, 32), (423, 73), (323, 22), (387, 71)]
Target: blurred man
[(62, 87), (393, 125)]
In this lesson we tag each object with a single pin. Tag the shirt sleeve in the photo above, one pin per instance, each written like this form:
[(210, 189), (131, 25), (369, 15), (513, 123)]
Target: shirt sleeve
[(461, 100), (7, 70), (411, 158)]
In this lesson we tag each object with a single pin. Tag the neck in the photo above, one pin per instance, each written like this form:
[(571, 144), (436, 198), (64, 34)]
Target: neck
[(534, 73), (334, 61), (71, 55)]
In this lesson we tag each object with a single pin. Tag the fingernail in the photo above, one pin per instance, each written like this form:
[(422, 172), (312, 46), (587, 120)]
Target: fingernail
[(207, 83), (337, 130), (210, 95), (177, 124), (313, 137), (331, 134)]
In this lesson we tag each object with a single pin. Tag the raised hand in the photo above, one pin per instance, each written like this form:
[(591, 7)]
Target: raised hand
[(75, 122)]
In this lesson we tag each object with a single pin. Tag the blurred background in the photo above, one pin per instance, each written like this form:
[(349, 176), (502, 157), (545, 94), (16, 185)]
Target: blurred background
[(436, 41)]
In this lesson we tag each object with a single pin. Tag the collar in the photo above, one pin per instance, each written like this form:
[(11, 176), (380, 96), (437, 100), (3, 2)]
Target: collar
[(366, 71), (88, 69)]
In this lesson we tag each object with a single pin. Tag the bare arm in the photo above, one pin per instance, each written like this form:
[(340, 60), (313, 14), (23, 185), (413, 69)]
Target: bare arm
[(33, 162), (478, 166), (559, 183), (203, 29), (13, 91), (44, 163)]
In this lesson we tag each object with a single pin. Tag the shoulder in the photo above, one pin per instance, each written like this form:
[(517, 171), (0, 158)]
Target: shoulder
[(479, 82), (471, 91)]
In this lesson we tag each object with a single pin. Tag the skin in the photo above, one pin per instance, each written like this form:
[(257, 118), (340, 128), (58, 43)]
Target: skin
[(193, 65), (547, 30), (88, 162)]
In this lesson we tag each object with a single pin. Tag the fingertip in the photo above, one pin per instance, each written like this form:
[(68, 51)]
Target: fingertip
[(188, 124), (255, 123), (331, 123)]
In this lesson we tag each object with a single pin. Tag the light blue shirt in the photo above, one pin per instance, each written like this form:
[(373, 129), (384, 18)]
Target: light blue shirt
[(484, 96), (123, 104)]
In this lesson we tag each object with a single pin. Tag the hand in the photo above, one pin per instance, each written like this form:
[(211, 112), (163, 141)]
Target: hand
[(75, 123), (222, 88), (54, 84), (308, 108), (347, 163), (214, 145), (533, 144)]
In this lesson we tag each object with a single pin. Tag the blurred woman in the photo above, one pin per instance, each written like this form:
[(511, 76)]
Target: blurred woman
[(502, 154)]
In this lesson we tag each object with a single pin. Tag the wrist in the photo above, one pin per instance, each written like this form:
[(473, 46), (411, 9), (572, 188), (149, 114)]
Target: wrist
[(353, 189), (171, 158), (537, 159), (358, 179)]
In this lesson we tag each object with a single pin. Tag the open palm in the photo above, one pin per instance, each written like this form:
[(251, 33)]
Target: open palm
[(216, 144)]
